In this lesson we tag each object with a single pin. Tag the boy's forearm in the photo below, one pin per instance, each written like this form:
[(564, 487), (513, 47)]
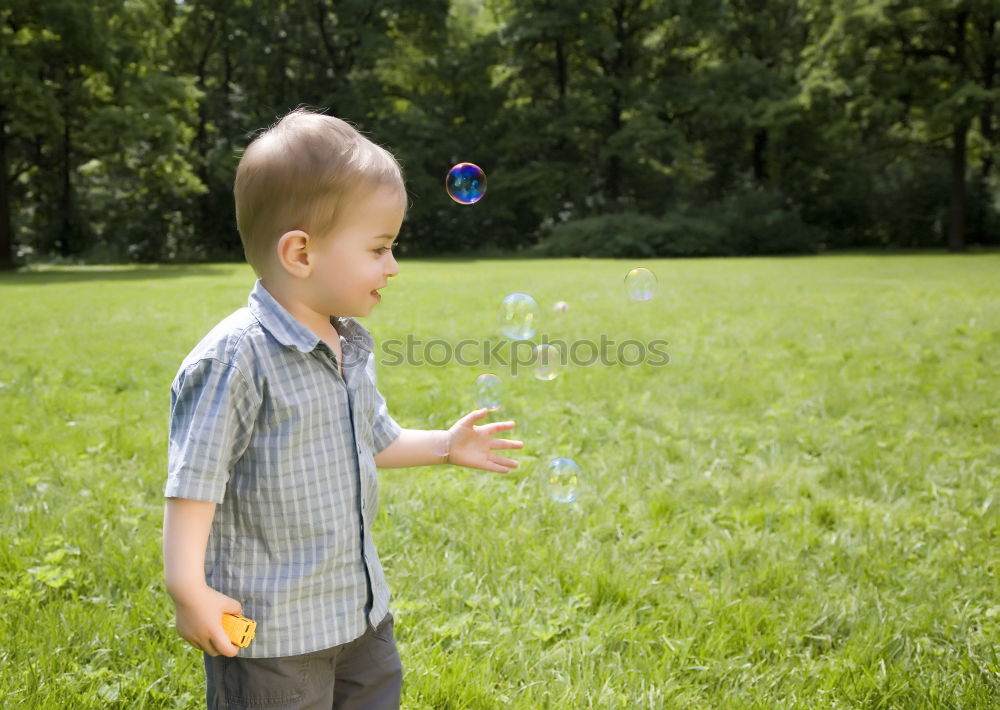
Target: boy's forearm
[(415, 447), (186, 525)]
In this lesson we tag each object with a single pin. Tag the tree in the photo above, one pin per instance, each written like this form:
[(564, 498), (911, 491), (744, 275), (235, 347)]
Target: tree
[(28, 110), (595, 94), (749, 78), (922, 72), (94, 128)]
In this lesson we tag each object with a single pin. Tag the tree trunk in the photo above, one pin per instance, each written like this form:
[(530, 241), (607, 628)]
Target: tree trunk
[(562, 73), (204, 202), (6, 227), (979, 222), (616, 73), (614, 165), (956, 217), (66, 240), (986, 125), (759, 156), (960, 134)]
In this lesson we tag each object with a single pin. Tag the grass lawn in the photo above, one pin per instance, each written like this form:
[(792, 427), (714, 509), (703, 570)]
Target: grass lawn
[(800, 510)]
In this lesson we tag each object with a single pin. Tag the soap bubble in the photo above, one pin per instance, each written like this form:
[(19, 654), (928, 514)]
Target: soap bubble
[(640, 284), (518, 316), (488, 392), (547, 362), (563, 479), (466, 183), (560, 307)]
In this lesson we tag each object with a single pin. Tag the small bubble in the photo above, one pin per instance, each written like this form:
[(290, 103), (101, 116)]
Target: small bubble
[(640, 284), (563, 480), (547, 361), (487, 391)]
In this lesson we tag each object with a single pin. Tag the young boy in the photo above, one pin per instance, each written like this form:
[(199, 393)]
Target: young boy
[(276, 429)]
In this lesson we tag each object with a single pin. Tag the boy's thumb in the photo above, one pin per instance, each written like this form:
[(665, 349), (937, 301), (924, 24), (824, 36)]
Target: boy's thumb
[(233, 607)]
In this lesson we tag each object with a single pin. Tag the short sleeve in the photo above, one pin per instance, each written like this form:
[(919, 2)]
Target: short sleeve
[(384, 427), (212, 411)]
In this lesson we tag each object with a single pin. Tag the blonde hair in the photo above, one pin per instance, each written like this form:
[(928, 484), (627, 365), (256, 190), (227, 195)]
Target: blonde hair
[(295, 174)]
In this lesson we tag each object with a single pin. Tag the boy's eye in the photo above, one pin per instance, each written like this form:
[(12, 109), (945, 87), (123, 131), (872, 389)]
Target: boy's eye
[(383, 250)]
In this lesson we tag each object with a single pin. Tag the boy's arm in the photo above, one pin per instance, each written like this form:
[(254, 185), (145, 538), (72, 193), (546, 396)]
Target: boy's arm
[(186, 524), (414, 447), (465, 444)]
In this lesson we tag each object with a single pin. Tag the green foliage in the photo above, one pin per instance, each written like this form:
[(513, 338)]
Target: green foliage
[(122, 124), (763, 221), (98, 136)]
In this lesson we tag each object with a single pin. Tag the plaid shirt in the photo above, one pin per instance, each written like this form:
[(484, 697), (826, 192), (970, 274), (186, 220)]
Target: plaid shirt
[(263, 424)]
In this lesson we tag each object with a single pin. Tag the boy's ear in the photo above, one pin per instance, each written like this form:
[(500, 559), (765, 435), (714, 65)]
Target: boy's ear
[(293, 252)]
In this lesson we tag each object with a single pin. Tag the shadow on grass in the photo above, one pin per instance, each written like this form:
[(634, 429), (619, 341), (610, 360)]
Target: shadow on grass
[(40, 275)]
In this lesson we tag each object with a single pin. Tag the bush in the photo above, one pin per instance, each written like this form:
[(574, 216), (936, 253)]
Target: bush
[(762, 221), (611, 235), (751, 222)]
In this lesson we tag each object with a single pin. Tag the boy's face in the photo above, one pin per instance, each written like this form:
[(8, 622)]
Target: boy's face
[(355, 260)]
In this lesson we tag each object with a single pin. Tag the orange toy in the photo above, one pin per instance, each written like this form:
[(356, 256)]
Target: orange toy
[(239, 629)]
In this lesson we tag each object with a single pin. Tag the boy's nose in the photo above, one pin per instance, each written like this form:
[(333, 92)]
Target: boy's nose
[(393, 266)]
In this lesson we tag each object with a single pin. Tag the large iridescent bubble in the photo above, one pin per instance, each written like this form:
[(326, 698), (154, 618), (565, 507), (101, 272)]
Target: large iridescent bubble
[(640, 284), (466, 183), (518, 316)]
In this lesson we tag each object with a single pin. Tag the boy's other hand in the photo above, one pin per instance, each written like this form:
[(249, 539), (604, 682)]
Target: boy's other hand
[(471, 445), (199, 620)]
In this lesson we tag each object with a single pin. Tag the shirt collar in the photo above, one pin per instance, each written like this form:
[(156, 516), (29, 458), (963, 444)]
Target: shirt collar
[(288, 331)]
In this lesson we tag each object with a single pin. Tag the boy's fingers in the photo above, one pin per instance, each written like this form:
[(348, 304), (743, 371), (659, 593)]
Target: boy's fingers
[(223, 645), (509, 463), (207, 646), (497, 427), (506, 444)]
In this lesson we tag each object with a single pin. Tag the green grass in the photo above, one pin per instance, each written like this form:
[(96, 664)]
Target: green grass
[(799, 511)]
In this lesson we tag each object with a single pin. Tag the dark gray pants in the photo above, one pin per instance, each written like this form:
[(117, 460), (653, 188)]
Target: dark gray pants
[(364, 674)]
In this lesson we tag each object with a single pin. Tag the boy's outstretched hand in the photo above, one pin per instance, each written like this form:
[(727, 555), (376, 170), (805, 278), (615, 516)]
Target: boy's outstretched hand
[(471, 445)]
